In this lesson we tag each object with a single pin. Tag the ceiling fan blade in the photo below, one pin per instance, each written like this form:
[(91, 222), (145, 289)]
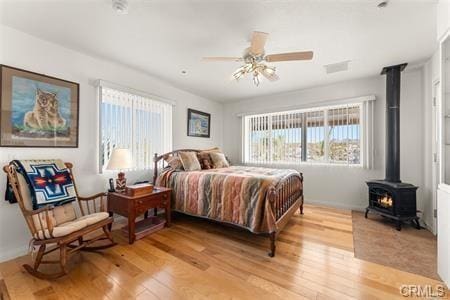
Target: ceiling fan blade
[(257, 42), (270, 76), (305, 55), (219, 58)]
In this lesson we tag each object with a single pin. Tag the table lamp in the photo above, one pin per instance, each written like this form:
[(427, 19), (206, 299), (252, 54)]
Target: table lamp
[(120, 160)]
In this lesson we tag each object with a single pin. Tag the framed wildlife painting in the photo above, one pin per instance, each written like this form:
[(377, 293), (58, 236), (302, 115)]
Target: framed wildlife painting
[(37, 110), (198, 124)]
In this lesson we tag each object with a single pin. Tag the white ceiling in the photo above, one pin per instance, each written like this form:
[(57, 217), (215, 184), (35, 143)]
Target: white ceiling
[(164, 37)]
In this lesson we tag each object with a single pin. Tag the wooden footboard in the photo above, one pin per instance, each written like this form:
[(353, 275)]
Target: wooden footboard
[(285, 198), (285, 194)]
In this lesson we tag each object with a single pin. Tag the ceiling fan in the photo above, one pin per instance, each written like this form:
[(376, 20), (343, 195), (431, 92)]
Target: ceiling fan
[(255, 56)]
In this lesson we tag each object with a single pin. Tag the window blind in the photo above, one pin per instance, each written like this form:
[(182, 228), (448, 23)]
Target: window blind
[(135, 122), (318, 135)]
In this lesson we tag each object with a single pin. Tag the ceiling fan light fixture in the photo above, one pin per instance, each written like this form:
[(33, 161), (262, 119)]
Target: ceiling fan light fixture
[(239, 73), (256, 78), (255, 56), (269, 70)]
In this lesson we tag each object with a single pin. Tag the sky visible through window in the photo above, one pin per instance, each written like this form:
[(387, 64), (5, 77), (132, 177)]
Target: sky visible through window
[(338, 133), (119, 130)]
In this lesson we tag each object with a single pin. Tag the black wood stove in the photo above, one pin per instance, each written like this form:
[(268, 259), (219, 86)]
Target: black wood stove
[(390, 197)]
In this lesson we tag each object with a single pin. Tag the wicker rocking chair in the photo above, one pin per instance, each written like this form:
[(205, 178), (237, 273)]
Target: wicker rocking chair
[(59, 226)]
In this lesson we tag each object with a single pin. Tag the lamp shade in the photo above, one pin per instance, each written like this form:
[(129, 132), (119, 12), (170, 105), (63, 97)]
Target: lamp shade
[(120, 160)]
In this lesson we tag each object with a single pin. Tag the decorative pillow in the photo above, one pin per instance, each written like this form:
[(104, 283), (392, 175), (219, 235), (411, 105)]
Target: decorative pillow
[(219, 160), (215, 149), (190, 161), (205, 160), (174, 162)]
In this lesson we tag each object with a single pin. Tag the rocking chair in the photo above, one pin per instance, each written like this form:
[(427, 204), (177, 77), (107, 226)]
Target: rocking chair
[(59, 225)]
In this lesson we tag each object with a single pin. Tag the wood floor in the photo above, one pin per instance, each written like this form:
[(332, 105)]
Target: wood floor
[(197, 259)]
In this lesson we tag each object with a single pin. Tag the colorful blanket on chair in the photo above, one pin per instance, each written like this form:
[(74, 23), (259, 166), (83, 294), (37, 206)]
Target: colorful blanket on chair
[(49, 181)]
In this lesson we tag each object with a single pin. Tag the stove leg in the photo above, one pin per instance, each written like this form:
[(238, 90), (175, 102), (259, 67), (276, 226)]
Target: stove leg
[(367, 211), (416, 222), (398, 225)]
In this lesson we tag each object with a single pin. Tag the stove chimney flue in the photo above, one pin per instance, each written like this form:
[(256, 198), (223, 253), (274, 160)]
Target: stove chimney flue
[(393, 81), (390, 197)]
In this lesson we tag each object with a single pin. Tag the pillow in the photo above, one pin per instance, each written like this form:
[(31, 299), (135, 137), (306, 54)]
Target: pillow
[(205, 160), (174, 162), (190, 161), (219, 160), (215, 149)]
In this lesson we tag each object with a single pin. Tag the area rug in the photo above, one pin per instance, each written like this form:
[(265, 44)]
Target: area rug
[(376, 240)]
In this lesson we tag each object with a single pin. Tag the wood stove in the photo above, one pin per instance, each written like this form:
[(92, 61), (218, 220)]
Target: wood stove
[(390, 197), (395, 200)]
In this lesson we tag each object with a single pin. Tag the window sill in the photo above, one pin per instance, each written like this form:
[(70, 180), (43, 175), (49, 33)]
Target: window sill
[(322, 164)]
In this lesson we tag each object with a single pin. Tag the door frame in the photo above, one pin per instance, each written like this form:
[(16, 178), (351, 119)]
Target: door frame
[(436, 146)]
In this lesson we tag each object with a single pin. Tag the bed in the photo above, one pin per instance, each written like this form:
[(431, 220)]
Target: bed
[(261, 200)]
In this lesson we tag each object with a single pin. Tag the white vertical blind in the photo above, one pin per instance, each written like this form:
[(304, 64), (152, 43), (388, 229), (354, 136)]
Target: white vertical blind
[(315, 130), (135, 122), (344, 134), (332, 134)]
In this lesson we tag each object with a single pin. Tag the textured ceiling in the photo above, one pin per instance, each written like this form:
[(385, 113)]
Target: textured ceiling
[(164, 37)]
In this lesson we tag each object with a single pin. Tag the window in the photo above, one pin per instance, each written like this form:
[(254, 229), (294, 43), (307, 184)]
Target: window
[(136, 122), (331, 135)]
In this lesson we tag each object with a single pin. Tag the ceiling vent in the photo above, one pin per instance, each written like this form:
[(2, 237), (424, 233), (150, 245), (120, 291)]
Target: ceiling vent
[(337, 67), (120, 6)]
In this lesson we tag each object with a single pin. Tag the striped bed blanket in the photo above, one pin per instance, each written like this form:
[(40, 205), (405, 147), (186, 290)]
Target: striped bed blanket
[(236, 195)]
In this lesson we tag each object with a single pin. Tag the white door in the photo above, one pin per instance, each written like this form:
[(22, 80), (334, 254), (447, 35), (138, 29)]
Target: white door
[(443, 241)]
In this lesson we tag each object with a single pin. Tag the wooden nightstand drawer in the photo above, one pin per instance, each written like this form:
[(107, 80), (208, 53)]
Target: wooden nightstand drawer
[(133, 206), (141, 206)]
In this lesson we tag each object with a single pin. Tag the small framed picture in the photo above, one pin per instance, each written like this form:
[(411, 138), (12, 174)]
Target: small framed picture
[(198, 123), (37, 110)]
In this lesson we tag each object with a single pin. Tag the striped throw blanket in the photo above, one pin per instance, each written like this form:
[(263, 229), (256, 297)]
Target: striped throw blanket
[(236, 195)]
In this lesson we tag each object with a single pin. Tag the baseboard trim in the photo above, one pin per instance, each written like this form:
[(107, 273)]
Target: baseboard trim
[(427, 227), (335, 205), (13, 253)]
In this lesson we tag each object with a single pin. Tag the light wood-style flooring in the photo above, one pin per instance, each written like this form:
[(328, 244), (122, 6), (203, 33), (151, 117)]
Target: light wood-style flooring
[(197, 259)]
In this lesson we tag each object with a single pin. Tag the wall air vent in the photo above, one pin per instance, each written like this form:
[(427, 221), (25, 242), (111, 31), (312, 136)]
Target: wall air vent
[(337, 67)]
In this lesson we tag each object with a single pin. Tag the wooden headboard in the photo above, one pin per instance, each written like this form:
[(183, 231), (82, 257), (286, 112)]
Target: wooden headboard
[(159, 159)]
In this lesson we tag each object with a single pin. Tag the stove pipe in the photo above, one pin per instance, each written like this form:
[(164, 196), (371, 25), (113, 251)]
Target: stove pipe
[(393, 121)]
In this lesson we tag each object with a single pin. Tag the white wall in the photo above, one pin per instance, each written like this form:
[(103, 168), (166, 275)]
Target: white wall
[(27, 52), (442, 18), (341, 186)]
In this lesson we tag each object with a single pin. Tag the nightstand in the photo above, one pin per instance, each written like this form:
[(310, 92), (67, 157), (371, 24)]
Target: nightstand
[(132, 207)]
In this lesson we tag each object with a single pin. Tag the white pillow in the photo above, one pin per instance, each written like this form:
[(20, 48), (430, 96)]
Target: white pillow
[(190, 161), (219, 160)]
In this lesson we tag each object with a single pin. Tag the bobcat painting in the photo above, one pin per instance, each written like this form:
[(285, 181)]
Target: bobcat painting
[(37, 110), (45, 114)]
